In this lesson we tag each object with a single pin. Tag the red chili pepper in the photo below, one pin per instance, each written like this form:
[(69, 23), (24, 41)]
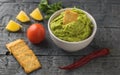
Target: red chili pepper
[(84, 60)]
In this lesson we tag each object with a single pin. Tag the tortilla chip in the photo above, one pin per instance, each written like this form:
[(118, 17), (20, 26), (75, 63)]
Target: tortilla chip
[(69, 16), (24, 55)]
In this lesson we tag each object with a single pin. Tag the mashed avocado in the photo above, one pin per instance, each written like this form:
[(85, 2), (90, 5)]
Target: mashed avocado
[(74, 31)]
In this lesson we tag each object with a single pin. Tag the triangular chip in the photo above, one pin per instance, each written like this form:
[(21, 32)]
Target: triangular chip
[(69, 16), (22, 16), (36, 14)]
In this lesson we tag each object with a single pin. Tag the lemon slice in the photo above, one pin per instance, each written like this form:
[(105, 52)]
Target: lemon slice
[(22, 16), (36, 14), (13, 26)]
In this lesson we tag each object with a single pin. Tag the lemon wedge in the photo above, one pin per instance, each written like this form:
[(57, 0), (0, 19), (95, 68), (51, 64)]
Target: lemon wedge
[(36, 14), (13, 26), (22, 16)]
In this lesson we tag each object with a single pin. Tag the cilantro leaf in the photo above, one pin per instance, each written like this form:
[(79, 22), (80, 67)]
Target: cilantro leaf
[(49, 9)]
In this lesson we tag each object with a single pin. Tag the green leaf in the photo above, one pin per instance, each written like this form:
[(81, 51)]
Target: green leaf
[(44, 2), (49, 9)]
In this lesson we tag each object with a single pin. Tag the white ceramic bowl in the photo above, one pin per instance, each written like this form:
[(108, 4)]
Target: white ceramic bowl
[(72, 46)]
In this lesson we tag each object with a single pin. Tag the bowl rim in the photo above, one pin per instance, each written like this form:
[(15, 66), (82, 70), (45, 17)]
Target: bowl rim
[(85, 40)]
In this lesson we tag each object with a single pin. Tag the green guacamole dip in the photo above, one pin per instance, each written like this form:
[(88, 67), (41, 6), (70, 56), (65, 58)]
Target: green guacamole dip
[(74, 31)]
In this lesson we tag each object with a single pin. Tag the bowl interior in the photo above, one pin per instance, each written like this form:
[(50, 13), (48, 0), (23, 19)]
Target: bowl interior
[(88, 15)]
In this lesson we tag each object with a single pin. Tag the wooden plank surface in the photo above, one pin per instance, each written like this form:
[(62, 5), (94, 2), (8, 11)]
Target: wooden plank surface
[(107, 16), (50, 66)]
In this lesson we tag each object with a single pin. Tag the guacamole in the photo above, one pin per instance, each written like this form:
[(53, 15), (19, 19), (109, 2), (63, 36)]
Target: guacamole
[(74, 31)]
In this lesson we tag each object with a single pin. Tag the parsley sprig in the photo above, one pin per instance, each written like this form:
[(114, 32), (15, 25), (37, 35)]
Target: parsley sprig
[(49, 9)]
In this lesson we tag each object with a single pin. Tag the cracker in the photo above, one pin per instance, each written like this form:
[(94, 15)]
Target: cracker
[(13, 43), (24, 55), (69, 16)]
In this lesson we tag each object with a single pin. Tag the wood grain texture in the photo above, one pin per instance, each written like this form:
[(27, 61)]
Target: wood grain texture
[(50, 65), (107, 16)]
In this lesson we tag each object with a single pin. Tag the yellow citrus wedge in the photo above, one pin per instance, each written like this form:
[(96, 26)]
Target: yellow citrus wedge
[(13, 26), (22, 16), (36, 14)]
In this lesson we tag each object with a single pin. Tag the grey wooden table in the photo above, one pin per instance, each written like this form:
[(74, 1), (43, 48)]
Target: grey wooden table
[(107, 15)]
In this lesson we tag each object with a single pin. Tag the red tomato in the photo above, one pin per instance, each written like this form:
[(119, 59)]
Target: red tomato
[(36, 33)]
